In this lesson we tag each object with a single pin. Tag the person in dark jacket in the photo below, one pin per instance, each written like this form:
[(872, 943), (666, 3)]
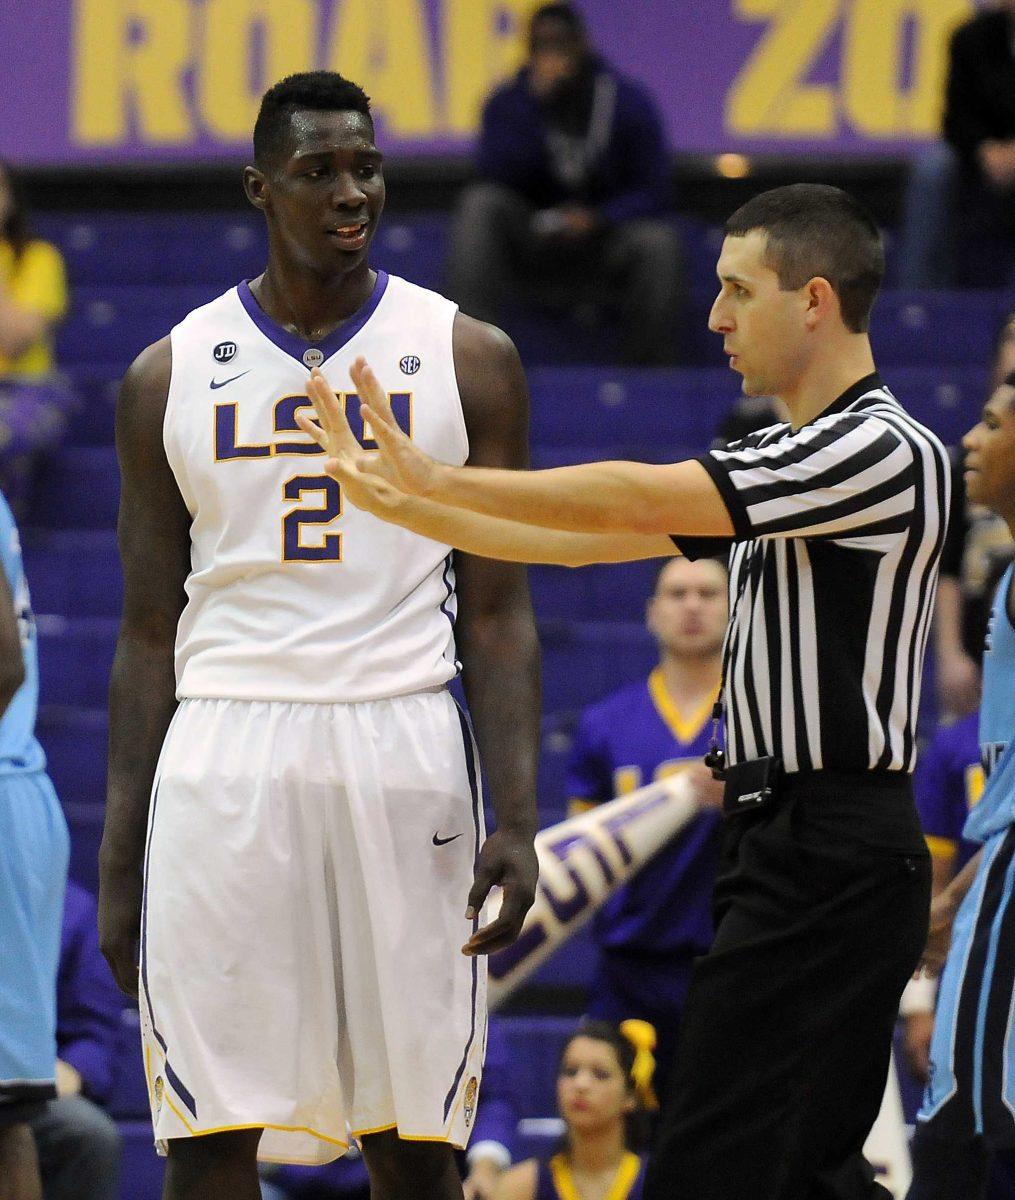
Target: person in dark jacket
[(77, 1142), (573, 184), (960, 208)]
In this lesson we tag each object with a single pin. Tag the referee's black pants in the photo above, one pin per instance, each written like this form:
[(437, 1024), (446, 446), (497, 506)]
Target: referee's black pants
[(821, 911)]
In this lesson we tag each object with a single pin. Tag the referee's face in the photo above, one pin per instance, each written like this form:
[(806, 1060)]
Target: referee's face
[(764, 329), (990, 454)]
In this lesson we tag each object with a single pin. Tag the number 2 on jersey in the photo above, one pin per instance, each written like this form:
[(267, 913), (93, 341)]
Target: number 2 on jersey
[(329, 548)]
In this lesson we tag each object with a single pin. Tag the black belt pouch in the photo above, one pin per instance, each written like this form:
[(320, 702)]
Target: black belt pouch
[(751, 785)]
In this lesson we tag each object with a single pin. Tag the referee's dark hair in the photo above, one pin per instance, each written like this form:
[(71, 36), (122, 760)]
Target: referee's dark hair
[(815, 230), (315, 91)]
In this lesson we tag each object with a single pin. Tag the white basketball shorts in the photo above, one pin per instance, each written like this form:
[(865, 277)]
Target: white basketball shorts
[(307, 871)]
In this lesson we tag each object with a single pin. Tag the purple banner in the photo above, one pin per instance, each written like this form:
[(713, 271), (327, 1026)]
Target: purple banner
[(149, 81)]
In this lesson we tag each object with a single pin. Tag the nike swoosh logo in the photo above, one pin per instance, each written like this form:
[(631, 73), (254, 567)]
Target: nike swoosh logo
[(439, 841), (232, 379)]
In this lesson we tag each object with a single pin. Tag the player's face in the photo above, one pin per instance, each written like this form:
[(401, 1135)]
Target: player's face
[(763, 328), (689, 610), (592, 1089), (990, 454), (324, 197)]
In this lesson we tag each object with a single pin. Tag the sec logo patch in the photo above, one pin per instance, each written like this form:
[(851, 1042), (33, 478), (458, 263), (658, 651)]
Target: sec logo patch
[(410, 364)]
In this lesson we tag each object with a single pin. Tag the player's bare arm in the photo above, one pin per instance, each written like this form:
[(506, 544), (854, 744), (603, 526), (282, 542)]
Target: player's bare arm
[(496, 634), (489, 537), (154, 537), (605, 497), (12, 664)]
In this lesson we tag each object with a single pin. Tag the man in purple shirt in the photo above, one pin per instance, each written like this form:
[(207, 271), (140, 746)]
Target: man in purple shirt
[(78, 1144), (574, 175)]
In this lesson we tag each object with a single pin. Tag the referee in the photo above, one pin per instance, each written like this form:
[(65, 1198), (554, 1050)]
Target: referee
[(833, 523)]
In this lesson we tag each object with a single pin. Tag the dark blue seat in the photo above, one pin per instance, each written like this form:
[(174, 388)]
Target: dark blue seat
[(75, 657), (584, 661), (113, 323), (78, 488), (921, 329), (97, 385), (141, 1170), (76, 741), (607, 592), (158, 247), (74, 572), (598, 407)]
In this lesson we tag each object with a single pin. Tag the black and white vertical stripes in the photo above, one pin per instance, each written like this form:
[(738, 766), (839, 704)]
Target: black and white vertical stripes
[(839, 528)]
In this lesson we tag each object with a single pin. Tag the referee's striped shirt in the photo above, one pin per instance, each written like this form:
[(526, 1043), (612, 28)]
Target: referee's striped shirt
[(833, 569)]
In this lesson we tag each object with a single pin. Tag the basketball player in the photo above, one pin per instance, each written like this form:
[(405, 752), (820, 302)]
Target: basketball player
[(34, 848), (314, 856)]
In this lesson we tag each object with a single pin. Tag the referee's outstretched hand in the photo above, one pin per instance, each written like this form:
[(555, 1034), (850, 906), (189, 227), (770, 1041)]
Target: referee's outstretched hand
[(507, 859)]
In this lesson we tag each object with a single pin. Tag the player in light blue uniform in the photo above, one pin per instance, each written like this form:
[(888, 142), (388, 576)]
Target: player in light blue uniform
[(965, 1140), (34, 849)]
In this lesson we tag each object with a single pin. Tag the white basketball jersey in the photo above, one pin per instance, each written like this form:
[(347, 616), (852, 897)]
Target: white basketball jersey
[(294, 594)]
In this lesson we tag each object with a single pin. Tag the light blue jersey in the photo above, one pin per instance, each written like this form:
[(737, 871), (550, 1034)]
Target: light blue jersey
[(971, 1091), (34, 848), (19, 750), (996, 810)]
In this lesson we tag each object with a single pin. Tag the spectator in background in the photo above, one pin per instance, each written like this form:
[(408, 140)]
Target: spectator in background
[(33, 298), (604, 1086), (574, 178), (649, 933), (78, 1144), (967, 183), (977, 549)]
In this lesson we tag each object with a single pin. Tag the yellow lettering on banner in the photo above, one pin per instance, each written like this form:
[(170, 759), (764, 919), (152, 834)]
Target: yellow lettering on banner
[(278, 35), (873, 64), (484, 43), (770, 95), (384, 45), (128, 56)]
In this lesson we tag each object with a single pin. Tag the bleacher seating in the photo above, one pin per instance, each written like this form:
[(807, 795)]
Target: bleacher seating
[(134, 275)]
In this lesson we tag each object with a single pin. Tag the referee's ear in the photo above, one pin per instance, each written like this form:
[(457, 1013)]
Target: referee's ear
[(822, 303)]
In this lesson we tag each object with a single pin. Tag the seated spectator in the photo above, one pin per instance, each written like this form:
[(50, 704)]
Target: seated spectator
[(78, 1144), (573, 182), (33, 297), (649, 933), (959, 225), (977, 549), (604, 1088)]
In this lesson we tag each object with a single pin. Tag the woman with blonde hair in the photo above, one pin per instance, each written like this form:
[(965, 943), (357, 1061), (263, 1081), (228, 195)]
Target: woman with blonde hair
[(604, 1093)]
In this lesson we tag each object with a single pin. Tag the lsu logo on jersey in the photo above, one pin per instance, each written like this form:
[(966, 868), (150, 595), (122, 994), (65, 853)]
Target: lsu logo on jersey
[(231, 444), (307, 533)]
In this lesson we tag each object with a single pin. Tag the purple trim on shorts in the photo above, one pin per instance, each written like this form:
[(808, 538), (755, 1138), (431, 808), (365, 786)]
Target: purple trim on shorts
[(171, 1075), (295, 346), (448, 564), (470, 767)]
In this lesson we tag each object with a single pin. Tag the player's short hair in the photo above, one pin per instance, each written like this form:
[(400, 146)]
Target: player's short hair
[(666, 563), (314, 91), (559, 10), (817, 230)]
